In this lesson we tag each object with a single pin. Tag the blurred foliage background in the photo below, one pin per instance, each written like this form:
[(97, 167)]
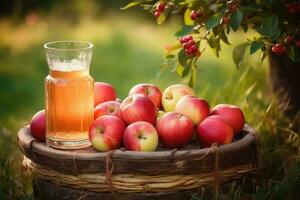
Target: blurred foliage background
[(128, 49)]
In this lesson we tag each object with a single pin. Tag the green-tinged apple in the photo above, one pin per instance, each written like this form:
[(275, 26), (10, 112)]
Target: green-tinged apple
[(160, 113), (149, 90), (193, 107), (138, 107), (214, 129), (233, 115), (38, 126), (173, 94), (103, 92), (106, 133), (174, 130), (107, 108), (140, 136)]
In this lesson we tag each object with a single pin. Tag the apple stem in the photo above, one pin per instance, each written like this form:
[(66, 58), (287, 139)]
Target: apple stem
[(179, 116), (146, 90), (170, 96), (141, 137)]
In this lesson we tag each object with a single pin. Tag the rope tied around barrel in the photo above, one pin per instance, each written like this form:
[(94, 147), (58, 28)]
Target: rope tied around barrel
[(109, 168), (216, 172)]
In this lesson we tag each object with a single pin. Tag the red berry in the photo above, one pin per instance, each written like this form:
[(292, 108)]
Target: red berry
[(279, 49), (225, 19), (274, 49), (191, 42), (288, 39), (186, 45), (297, 42), (293, 7), (188, 38), (194, 15), (292, 10), (189, 51), (182, 40), (160, 7), (194, 48), (157, 14)]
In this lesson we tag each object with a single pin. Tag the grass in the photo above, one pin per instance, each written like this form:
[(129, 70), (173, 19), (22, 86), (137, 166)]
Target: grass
[(128, 51)]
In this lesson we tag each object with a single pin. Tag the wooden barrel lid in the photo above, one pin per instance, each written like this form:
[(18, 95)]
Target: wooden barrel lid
[(191, 159)]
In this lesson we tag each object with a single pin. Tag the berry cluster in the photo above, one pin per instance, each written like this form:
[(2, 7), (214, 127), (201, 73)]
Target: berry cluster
[(279, 49), (160, 7), (293, 7), (190, 46), (195, 14)]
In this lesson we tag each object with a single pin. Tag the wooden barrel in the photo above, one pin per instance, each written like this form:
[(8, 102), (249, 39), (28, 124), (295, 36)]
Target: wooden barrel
[(173, 174)]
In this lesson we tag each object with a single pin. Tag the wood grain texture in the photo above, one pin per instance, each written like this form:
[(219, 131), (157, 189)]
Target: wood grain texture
[(189, 160)]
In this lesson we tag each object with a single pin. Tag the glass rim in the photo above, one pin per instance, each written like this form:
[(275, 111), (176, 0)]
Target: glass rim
[(47, 47)]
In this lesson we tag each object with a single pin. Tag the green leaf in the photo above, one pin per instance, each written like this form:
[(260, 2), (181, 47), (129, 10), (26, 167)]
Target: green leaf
[(174, 47), (236, 19), (170, 62), (182, 71), (270, 28), (214, 43), (263, 56), (184, 31), (187, 17), (182, 58), (170, 56), (213, 21), (179, 70), (245, 27), (161, 18), (294, 53), (130, 5), (239, 53), (221, 33), (250, 9), (256, 45)]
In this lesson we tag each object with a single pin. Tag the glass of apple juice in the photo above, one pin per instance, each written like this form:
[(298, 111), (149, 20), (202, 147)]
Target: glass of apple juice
[(69, 94)]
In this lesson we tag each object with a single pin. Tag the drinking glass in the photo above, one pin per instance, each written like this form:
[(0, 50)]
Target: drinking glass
[(69, 94)]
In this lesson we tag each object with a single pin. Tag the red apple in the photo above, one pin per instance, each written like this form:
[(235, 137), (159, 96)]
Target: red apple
[(233, 115), (103, 92), (174, 130), (38, 126), (149, 90), (107, 108), (140, 136), (106, 133), (195, 108), (214, 129), (173, 94), (138, 108)]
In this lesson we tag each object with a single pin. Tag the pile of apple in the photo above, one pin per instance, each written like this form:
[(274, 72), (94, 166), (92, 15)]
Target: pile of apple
[(148, 116)]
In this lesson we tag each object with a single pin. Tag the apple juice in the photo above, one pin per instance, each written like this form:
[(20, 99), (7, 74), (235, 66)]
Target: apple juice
[(69, 96)]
